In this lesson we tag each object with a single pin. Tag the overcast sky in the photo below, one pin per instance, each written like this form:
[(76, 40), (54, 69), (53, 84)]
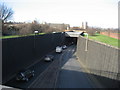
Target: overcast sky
[(100, 13)]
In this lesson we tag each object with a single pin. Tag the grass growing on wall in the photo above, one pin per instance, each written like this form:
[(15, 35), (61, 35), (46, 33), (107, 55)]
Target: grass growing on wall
[(15, 36), (106, 39)]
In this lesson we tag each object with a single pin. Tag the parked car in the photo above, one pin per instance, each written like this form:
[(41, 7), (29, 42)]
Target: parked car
[(49, 58), (58, 49), (64, 46), (24, 75)]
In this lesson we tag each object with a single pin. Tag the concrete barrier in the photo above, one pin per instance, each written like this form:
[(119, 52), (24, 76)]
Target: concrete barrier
[(101, 59)]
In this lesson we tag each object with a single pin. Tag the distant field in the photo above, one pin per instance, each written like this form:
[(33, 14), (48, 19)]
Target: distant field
[(15, 36), (106, 39)]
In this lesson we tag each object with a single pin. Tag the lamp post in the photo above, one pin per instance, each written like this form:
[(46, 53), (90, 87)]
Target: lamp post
[(86, 46), (35, 32), (62, 35)]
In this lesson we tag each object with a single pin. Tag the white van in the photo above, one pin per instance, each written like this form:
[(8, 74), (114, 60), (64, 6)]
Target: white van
[(58, 49)]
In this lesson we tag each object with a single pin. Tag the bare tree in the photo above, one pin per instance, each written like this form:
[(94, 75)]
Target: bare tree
[(5, 12)]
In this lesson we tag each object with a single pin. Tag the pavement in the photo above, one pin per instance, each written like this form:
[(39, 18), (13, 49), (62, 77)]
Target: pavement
[(71, 74), (64, 72)]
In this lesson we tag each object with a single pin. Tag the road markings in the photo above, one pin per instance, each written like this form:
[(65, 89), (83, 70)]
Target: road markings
[(58, 71), (41, 74), (67, 51)]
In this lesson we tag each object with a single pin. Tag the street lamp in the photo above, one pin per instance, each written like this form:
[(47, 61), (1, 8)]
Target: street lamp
[(35, 32), (86, 46)]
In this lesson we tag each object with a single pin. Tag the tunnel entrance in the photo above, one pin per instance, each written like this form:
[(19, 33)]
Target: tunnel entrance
[(71, 40)]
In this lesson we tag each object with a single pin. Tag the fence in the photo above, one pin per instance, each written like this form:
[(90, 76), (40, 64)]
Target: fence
[(19, 53), (101, 59), (110, 34)]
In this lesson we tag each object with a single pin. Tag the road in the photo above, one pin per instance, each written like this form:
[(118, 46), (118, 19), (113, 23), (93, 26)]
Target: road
[(64, 72), (38, 68)]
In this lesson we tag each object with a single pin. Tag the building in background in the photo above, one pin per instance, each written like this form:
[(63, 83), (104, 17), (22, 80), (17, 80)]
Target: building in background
[(60, 26), (84, 25)]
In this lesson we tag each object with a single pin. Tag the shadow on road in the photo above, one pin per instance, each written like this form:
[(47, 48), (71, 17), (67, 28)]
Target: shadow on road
[(70, 78)]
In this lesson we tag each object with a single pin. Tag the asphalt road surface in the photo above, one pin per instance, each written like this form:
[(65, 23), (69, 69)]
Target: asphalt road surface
[(64, 72), (38, 68)]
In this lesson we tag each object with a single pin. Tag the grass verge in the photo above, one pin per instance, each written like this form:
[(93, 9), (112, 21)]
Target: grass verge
[(15, 36), (106, 39)]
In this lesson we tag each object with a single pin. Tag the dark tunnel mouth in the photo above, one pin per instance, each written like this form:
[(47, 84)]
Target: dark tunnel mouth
[(71, 40)]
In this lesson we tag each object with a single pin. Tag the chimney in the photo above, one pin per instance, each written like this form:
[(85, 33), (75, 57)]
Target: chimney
[(82, 25)]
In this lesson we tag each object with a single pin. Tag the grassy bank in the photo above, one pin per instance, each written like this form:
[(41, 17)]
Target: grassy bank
[(106, 39), (15, 36)]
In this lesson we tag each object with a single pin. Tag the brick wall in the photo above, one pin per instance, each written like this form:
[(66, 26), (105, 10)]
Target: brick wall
[(113, 35)]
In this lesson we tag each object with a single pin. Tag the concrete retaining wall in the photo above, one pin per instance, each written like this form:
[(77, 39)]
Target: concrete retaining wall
[(100, 59), (22, 52)]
